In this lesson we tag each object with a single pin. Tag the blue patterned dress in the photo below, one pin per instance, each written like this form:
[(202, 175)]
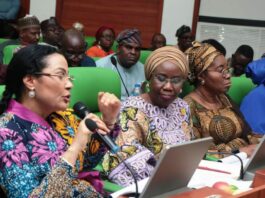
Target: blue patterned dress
[(30, 150)]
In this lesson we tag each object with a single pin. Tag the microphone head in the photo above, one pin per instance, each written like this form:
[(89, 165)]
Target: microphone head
[(113, 61), (91, 125), (80, 109)]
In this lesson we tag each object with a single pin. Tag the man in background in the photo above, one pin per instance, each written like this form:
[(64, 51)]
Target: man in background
[(29, 33), (240, 59), (158, 40), (126, 61)]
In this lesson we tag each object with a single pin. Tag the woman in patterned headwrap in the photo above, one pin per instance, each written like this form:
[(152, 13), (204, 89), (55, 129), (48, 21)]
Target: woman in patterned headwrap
[(213, 113), (104, 40), (153, 120)]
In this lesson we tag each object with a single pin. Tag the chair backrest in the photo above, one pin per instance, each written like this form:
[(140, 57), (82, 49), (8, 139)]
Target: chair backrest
[(143, 56), (91, 80), (8, 53), (3, 40), (240, 88), (2, 88)]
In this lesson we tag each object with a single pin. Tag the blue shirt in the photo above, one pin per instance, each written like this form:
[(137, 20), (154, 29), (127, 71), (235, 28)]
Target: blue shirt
[(130, 76)]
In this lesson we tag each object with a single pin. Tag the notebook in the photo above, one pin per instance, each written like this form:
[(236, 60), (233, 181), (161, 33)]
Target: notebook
[(256, 161), (175, 167)]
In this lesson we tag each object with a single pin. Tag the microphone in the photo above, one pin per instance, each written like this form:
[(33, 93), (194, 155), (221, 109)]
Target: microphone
[(241, 174), (114, 62), (81, 111)]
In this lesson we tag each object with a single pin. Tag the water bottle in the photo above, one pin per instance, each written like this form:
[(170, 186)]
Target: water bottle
[(137, 89)]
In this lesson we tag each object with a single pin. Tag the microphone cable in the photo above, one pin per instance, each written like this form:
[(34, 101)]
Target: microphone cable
[(241, 175), (114, 62), (133, 173)]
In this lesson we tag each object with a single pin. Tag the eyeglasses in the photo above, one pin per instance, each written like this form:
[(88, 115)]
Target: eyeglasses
[(62, 77), (176, 81), (223, 71)]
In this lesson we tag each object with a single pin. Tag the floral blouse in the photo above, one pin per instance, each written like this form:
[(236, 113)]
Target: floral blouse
[(145, 130), (30, 150)]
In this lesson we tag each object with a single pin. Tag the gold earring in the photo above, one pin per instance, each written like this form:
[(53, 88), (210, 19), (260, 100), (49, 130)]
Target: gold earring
[(202, 82), (32, 93)]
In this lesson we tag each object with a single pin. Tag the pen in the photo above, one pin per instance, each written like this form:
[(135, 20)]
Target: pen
[(214, 170)]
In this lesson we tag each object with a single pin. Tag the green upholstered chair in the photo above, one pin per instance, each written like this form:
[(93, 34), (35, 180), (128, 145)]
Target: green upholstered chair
[(2, 88), (8, 53), (186, 89), (91, 80), (240, 88), (96, 58), (143, 55), (90, 40), (3, 40)]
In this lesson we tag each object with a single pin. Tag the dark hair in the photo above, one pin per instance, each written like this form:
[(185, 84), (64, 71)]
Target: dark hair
[(217, 45), (26, 61), (246, 51), (182, 30)]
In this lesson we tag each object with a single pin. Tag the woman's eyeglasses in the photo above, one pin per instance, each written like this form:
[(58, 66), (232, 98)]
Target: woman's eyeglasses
[(176, 81), (223, 71), (62, 77)]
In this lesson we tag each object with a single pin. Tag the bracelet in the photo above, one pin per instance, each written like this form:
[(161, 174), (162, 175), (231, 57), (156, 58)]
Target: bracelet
[(66, 161)]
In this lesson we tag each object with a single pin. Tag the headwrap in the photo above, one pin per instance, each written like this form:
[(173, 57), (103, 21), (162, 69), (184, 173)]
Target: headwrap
[(167, 53), (129, 36), (182, 30), (256, 71), (201, 56), (29, 21), (100, 32)]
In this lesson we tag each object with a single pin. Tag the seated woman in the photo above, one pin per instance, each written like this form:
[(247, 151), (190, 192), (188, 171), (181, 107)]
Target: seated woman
[(212, 112), (253, 105), (44, 147), (153, 120), (104, 40)]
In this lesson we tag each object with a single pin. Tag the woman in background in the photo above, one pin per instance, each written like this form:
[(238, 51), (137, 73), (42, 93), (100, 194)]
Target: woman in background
[(213, 113), (43, 147), (153, 120), (104, 40)]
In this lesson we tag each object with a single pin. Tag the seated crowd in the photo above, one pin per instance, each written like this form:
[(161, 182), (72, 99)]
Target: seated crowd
[(47, 151)]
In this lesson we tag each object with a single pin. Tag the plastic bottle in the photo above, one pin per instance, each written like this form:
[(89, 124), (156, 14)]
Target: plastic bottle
[(137, 89)]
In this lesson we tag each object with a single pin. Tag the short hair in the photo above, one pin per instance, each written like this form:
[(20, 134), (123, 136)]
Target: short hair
[(52, 21), (246, 51), (217, 45), (182, 30)]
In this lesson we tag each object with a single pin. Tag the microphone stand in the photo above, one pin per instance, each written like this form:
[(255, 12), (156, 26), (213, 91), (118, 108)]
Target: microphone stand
[(114, 62)]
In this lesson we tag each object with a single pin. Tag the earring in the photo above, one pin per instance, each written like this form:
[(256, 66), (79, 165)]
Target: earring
[(180, 91), (32, 93), (202, 82)]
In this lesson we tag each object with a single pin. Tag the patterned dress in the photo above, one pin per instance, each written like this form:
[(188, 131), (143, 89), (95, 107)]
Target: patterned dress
[(30, 150), (145, 130), (223, 124)]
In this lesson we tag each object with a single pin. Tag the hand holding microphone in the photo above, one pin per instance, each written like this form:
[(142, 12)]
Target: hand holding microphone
[(95, 125)]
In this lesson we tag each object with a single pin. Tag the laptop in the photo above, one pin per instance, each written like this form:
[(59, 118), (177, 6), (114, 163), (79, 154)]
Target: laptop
[(256, 161), (175, 167)]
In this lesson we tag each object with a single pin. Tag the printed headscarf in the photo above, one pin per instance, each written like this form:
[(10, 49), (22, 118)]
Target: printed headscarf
[(129, 36), (200, 56), (167, 53)]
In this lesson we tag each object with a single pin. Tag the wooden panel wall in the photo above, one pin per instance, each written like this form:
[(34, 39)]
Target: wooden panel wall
[(146, 15)]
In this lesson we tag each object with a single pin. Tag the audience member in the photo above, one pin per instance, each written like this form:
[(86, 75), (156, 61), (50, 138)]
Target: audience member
[(126, 61), (253, 105), (153, 120), (240, 59), (185, 38), (158, 40), (74, 48), (217, 45), (29, 33), (104, 40), (213, 113), (51, 34), (43, 147)]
